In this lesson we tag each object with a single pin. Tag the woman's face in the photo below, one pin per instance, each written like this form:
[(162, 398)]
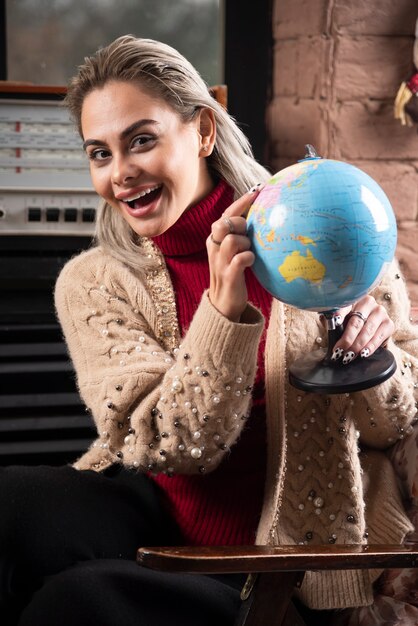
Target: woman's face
[(144, 160)]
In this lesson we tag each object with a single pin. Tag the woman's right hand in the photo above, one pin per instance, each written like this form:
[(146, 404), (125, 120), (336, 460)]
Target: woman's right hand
[(229, 255)]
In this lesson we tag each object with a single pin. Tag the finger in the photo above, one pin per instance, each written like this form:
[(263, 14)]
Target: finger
[(220, 256), (242, 260), (368, 327), (241, 206), (233, 245), (356, 320), (359, 315), (379, 338), (349, 340), (228, 226), (234, 272)]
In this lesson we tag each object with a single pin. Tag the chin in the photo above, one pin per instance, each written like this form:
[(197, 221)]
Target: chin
[(148, 231)]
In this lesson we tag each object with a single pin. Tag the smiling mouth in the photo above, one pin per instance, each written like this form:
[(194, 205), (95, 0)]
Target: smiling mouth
[(144, 197)]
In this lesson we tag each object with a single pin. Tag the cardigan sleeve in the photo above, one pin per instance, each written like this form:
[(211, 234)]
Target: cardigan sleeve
[(154, 410), (386, 413)]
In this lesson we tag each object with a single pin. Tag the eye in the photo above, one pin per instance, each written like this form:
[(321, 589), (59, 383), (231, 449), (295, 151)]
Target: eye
[(143, 141), (98, 155)]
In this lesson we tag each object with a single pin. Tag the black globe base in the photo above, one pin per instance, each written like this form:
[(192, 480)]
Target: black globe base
[(315, 373)]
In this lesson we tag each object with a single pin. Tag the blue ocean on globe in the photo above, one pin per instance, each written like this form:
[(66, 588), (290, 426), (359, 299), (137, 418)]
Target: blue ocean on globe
[(323, 233)]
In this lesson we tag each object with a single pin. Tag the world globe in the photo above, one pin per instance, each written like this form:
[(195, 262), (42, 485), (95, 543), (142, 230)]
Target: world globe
[(323, 233)]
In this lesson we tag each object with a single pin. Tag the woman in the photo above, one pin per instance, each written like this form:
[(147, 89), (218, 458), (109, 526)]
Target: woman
[(201, 440)]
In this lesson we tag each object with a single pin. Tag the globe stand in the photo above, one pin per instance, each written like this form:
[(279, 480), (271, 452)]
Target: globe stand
[(316, 372)]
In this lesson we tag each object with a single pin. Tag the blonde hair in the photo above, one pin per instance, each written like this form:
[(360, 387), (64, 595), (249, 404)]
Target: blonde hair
[(166, 74)]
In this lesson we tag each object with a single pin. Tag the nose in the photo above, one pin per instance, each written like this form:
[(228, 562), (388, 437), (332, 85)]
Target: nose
[(123, 170)]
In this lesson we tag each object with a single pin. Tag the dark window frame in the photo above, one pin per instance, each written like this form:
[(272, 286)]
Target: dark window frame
[(248, 68)]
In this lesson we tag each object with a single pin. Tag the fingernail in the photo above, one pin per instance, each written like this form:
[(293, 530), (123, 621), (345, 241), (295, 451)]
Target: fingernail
[(338, 352), (348, 357), (365, 353), (255, 188)]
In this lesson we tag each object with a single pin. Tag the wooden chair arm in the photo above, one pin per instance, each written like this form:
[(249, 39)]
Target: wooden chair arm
[(274, 571), (258, 559)]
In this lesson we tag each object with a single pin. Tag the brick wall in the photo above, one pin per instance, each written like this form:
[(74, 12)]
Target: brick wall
[(337, 67)]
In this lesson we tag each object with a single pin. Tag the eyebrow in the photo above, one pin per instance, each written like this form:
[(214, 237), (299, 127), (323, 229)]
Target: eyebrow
[(125, 133)]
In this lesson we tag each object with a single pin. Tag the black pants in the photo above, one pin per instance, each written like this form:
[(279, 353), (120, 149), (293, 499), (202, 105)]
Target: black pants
[(68, 542)]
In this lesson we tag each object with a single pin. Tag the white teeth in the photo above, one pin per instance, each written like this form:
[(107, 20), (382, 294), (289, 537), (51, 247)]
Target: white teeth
[(141, 194)]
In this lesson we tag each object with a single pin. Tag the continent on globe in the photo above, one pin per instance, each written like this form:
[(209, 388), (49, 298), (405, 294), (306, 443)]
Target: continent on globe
[(323, 234), (307, 267), (307, 241)]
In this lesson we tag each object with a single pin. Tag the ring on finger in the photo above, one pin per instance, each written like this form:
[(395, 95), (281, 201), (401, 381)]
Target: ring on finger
[(360, 315), (230, 225), (215, 241)]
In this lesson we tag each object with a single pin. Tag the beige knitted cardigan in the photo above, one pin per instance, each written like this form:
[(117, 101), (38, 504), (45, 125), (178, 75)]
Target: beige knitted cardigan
[(171, 405)]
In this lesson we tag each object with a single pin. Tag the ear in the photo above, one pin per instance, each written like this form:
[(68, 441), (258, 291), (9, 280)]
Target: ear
[(207, 131)]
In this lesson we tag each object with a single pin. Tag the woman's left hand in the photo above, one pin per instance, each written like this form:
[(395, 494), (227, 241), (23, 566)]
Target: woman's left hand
[(367, 326)]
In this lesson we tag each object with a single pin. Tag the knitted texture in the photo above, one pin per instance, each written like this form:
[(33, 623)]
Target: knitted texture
[(150, 395)]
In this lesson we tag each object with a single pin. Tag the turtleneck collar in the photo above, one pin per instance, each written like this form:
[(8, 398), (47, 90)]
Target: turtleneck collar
[(188, 235)]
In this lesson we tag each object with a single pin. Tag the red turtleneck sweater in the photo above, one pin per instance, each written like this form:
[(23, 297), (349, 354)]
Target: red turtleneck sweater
[(223, 506)]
